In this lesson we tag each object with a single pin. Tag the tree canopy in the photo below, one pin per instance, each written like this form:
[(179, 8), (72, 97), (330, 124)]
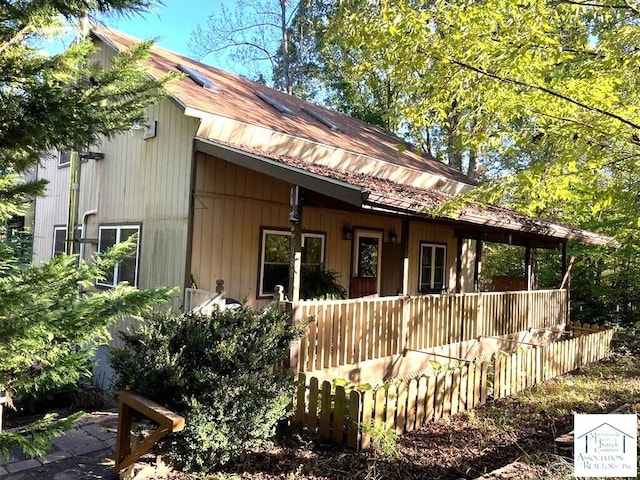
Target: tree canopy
[(539, 99)]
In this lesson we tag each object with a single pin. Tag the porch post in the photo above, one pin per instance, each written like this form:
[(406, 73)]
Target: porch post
[(566, 283), (563, 246), (404, 234), (528, 266), (477, 263), (459, 265), (295, 218)]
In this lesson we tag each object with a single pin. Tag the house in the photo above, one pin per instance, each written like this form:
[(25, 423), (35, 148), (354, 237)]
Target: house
[(227, 172)]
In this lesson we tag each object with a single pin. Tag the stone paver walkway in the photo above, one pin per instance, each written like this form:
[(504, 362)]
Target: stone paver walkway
[(83, 453)]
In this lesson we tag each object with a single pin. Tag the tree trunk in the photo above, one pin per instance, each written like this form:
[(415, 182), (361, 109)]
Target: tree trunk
[(285, 46), (472, 170), (454, 152)]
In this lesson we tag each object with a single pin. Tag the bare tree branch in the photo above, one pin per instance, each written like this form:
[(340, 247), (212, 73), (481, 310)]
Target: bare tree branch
[(546, 90)]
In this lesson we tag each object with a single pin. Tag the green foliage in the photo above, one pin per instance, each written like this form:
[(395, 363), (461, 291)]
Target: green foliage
[(63, 101), (320, 284), (384, 440), (51, 320), (218, 372), (51, 316), (35, 438)]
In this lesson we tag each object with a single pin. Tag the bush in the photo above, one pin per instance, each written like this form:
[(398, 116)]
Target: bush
[(321, 284), (215, 372)]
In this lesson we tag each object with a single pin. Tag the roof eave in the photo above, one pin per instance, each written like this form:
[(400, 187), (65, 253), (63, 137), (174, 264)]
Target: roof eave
[(348, 193), (552, 231)]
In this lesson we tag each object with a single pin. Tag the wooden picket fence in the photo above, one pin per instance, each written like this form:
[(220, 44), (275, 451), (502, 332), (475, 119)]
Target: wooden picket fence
[(345, 332), (342, 413)]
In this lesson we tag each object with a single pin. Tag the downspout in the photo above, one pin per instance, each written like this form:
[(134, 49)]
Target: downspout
[(74, 190), (75, 166), (83, 233), (188, 279)]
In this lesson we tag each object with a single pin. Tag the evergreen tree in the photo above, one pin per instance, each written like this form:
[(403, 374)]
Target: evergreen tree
[(51, 316)]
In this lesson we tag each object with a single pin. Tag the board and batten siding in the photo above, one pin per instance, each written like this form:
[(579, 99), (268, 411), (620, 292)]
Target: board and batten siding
[(231, 205), (50, 209), (145, 182)]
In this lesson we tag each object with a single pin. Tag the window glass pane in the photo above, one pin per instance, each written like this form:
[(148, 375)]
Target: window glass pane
[(64, 158), (312, 251), (277, 248), (275, 274), (105, 242), (426, 256), (127, 270), (107, 239), (439, 256), (127, 267), (438, 278), (367, 257), (58, 241)]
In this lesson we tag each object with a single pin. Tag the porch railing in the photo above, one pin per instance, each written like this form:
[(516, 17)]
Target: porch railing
[(344, 332)]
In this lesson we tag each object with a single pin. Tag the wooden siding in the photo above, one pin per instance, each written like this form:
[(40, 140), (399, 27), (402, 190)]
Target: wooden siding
[(232, 203), (51, 209), (145, 182), (236, 132)]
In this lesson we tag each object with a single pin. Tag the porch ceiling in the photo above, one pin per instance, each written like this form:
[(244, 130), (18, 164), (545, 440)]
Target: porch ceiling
[(349, 193), (376, 194)]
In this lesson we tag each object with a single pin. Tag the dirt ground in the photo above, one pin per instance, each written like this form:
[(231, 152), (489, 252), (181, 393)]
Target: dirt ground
[(465, 446)]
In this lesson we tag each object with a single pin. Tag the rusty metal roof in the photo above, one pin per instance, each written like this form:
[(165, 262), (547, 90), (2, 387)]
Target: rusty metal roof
[(242, 101)]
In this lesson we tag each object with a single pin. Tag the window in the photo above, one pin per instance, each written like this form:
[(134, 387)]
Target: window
[(275, 257), (127, 269), (433, 259), (64, 159), (199, 78), (281, 107), (59, 240)]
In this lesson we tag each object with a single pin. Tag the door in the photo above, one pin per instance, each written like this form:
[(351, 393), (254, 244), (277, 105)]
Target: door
[(367, 258)]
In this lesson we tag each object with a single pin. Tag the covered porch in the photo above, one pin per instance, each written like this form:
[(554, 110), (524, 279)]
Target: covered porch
[(372, 339), (411, 279)]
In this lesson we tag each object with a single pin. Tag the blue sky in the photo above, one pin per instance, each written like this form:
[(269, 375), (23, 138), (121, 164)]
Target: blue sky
[(171, 24)]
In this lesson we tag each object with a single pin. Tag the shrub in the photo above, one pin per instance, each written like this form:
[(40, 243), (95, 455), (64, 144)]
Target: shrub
[(321, 284), (215, 371)]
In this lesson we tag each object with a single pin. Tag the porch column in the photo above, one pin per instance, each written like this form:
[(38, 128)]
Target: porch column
[(566, 283), (528, 266), (295, 218), (477, 263), (459, 265), (404, 237)]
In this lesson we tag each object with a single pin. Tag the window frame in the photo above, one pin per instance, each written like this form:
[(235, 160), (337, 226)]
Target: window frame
[(116, 269), (431, 288), (264, 231), (63, 228), (62, 164)]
